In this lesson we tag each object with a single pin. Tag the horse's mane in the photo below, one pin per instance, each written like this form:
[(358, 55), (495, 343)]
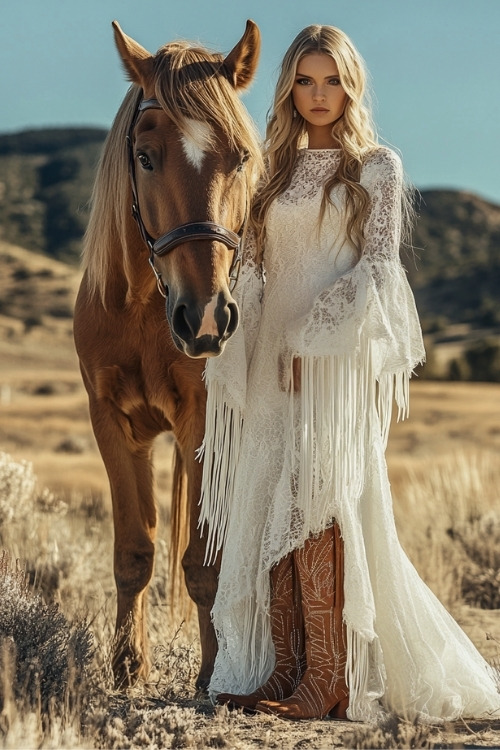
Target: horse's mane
[(190, 84)]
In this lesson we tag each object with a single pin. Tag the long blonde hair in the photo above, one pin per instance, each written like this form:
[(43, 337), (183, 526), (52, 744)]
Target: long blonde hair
[(354, 131)]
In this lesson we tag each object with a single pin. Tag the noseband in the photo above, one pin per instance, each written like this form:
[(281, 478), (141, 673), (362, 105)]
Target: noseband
[(200, 230)]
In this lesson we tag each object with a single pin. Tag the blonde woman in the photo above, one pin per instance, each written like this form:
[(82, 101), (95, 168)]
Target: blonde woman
[(318, 610)]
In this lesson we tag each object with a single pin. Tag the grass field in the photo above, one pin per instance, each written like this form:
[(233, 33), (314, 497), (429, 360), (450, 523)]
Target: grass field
[(445, 474)]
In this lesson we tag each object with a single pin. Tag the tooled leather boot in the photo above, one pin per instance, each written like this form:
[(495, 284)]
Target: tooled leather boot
[(323, 687), (288, 639)]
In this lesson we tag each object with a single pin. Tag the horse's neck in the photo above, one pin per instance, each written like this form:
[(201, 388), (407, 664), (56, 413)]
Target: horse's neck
[(130, 280)]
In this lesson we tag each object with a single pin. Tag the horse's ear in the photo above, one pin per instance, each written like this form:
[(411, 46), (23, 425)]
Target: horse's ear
[(241, 62), (137, 61)]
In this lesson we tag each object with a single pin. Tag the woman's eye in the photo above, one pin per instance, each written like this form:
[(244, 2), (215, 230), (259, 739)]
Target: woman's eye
[(144, 160), (334, 81), (302, 81)]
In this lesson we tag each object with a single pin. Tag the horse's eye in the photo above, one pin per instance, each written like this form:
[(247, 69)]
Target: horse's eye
[(144, 160), (243, 160)]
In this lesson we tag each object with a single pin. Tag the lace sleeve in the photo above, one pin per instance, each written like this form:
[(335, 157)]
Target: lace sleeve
[(373, 300)]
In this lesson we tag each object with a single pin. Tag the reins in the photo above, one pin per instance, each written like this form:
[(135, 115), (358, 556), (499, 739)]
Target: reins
[(201, 230)]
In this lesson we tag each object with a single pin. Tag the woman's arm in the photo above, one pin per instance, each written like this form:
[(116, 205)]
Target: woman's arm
[(373, 299)]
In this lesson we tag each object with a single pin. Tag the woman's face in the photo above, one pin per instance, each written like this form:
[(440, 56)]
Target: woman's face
[(317, 92)]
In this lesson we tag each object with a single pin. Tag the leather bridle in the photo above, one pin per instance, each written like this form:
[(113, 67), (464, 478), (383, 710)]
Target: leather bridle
[(198, 230)]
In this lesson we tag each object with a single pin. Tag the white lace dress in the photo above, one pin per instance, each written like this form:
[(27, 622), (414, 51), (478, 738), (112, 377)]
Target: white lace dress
[(280, 466)]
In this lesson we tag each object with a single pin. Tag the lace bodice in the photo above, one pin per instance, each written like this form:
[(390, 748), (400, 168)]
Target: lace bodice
[(300, 256), (312, 169)]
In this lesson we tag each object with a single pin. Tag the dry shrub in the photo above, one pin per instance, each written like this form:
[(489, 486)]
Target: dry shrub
[(392, 732), (480, 541), (43, 655), (174, 669), (481, 589), (17, 489), (140, 723), (92, 506), (48, 501), (447, 522)]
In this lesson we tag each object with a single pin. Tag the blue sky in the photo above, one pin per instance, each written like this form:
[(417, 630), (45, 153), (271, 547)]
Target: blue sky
[(434, 64)]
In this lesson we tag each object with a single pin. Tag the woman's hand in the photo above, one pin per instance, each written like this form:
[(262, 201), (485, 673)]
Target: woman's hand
[(289, 378), (296, 374)]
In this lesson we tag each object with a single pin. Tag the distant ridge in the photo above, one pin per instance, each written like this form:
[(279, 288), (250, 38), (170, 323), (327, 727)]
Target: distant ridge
[(49, 140), (456, 270), (46, 178)]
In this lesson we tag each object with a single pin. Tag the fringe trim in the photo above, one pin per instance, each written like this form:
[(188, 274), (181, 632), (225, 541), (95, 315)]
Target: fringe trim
[(393, 386), (220, 452), (335, 396), (364, 680), (244, 663)]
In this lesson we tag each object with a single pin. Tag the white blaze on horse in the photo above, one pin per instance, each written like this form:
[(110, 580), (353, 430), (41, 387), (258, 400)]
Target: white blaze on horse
[(169, 207)]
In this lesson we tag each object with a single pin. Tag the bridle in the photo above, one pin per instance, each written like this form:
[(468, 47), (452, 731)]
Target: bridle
[(200, 230)]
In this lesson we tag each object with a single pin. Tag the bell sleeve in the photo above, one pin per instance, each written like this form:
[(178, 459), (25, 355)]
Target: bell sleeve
[(226, 380), (371, 306)]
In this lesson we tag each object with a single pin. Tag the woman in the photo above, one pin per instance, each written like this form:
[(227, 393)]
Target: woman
[(318, 608)]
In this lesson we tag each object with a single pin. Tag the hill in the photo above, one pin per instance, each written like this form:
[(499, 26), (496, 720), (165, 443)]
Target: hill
[(46, 178), (456, 272), (37, 295)]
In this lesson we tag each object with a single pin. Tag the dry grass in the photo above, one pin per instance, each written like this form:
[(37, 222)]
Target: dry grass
[(445, 474)]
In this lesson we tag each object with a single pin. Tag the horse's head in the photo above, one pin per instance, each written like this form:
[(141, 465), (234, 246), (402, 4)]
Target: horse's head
[(193, 159)]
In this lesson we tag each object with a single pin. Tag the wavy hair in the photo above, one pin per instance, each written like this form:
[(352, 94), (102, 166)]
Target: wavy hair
[(285, 133)]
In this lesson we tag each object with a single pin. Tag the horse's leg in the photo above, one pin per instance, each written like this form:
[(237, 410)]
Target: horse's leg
[(201, 579), (135, 527), (125, 442)]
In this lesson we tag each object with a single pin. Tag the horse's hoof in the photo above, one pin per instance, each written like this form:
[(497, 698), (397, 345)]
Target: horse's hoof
[(127, 674), (202, 684), (125, 681)]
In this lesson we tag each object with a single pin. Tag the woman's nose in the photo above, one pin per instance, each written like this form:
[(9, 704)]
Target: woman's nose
[(318, 94)]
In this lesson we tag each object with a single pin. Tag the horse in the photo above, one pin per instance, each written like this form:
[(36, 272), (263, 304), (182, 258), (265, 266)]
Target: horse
[(160, 256)]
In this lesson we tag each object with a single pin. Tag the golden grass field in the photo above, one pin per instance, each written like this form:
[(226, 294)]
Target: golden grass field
[(444, 470)]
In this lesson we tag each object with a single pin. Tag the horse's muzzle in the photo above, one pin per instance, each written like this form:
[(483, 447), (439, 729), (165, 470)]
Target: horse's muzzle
[(203, 332)]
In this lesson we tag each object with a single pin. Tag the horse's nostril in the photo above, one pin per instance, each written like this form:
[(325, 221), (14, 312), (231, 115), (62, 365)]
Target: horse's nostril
[(181, 324), (234, 318), (227, 318)]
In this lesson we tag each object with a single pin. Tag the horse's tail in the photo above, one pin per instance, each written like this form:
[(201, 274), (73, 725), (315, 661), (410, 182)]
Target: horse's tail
[(179, 530)]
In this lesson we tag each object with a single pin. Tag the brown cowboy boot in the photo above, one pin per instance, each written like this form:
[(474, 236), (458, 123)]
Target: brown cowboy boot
[(323, 687), (288, 639)]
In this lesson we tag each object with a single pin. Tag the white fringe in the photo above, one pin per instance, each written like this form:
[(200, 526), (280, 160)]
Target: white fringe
[(334, 399), (393, 386), (220, 451), (366, 686)]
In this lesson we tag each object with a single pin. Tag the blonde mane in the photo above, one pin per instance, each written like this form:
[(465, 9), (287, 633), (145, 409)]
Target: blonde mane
[(190, 84)]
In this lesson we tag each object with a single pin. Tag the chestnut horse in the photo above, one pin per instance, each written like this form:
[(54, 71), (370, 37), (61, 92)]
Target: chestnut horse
[(183, 154)]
